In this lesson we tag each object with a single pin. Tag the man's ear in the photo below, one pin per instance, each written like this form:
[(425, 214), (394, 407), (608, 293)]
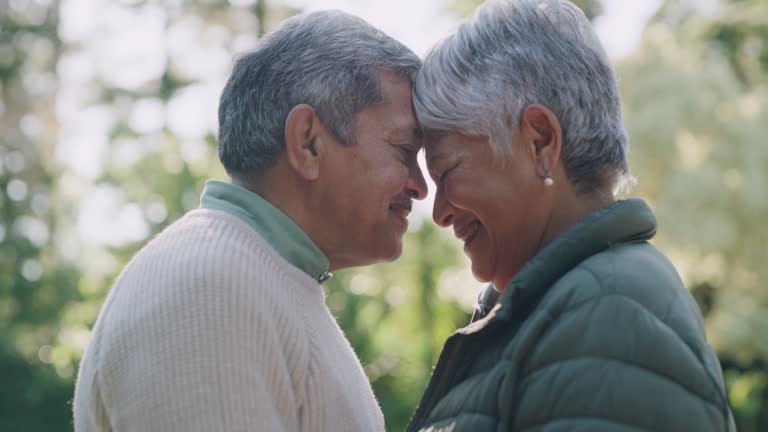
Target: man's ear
[(303, 141), (543, 137)]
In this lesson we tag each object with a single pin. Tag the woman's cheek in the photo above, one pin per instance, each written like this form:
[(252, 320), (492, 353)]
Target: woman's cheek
[(454, 192)]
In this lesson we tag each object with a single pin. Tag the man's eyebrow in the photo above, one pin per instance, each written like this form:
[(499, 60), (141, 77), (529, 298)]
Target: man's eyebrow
[(409, 133)]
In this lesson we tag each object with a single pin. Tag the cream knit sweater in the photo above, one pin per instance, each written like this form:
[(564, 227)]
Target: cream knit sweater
[(209, 329)]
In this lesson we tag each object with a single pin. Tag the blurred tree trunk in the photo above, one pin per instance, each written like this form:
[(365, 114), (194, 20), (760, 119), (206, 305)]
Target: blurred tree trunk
[(260, 10)]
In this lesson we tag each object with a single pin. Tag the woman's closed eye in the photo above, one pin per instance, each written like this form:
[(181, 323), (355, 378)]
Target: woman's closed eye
[(441, 174)]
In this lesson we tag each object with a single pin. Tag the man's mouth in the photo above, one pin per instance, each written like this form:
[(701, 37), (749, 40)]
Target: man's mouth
[(402, 206), (402, 211)]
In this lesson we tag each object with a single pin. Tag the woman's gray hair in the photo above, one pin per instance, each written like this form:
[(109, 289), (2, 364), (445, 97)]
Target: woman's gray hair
[(329, 60), (514, 53)]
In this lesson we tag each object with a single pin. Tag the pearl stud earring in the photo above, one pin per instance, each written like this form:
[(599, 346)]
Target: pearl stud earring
[(548, 182)]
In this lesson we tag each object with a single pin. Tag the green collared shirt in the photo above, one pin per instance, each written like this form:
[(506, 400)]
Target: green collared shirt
[(274, 226)]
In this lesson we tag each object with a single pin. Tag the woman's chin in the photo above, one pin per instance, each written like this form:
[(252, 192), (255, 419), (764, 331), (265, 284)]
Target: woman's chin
[(481, 273)]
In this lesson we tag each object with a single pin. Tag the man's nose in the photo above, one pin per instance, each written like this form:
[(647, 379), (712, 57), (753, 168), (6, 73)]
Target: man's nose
[(416, 186)]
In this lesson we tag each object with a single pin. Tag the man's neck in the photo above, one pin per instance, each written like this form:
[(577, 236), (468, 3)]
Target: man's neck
[(297, 200)]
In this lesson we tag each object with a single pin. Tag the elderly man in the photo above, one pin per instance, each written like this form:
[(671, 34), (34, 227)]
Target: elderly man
[(219, 323)]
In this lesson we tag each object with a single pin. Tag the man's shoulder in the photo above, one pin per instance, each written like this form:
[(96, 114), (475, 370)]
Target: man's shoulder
[(208, 236), (208, 254), (202, 272)]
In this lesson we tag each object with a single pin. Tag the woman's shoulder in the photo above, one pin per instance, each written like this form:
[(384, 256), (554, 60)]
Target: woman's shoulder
[(635, 277), (637, 270)]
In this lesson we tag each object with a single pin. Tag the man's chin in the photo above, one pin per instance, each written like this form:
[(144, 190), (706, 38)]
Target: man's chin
[(391, 252), (400, 220)]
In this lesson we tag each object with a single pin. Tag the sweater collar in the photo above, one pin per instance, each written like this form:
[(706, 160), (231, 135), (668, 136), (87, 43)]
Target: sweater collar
[(293, 244), (625, 221)]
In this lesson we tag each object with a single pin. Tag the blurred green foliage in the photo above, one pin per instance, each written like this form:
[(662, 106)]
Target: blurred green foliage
[(397, 315), (696, 105), (695, 99)]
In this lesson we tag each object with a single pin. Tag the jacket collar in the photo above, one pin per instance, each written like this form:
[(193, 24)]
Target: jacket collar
[(625, 221)]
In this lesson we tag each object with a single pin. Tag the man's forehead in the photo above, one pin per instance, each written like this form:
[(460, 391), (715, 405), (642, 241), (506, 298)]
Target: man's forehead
[(403, 127), (393, 124)]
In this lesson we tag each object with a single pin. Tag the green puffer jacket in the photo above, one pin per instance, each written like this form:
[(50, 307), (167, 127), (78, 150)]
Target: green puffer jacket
[(596, 333)]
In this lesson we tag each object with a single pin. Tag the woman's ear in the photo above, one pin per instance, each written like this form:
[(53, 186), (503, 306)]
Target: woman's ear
[(304, 141), (543, 137)]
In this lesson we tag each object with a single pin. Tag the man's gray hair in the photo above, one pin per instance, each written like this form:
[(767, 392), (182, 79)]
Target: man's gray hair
[(514, 53), (329, 60)]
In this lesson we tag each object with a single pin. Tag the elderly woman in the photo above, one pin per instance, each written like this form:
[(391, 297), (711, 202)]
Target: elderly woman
[(593, 329)]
